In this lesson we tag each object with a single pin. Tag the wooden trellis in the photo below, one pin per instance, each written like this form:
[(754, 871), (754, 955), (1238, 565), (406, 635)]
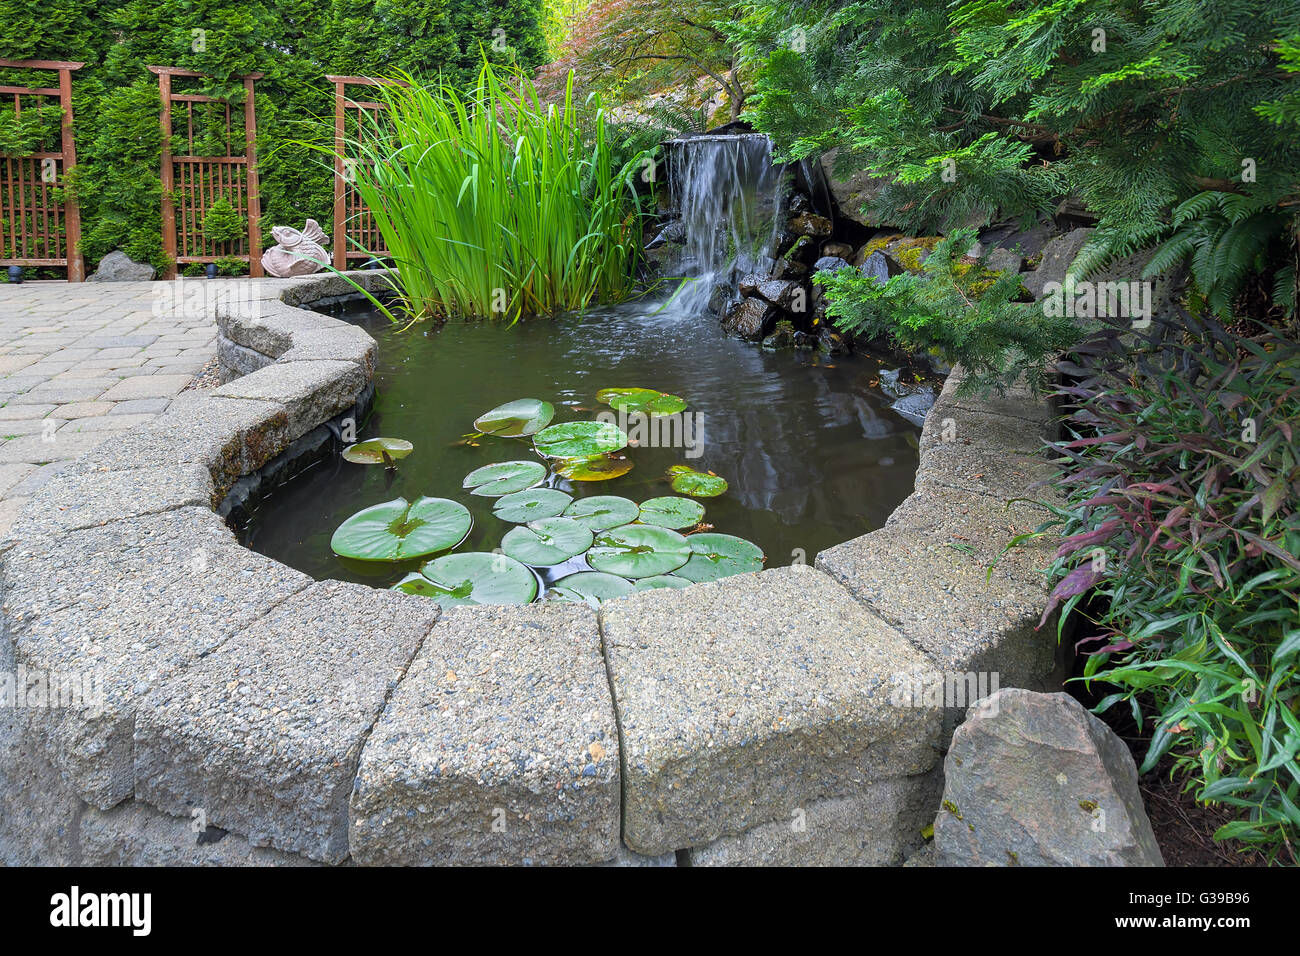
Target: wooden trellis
[(40, 224), (192, 183), (356, 235)]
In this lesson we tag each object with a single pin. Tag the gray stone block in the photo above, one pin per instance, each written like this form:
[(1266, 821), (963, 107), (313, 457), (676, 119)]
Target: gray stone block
[(988, 454), (236, 360), (264, 734), (119, 609), (742, 698), (498, 747), (346, 344), (311, 392), (39, 811)]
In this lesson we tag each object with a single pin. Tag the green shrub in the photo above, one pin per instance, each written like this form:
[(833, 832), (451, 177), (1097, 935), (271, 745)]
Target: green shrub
[(965, 313), (494, 203), (221, 224), (1181, 536)]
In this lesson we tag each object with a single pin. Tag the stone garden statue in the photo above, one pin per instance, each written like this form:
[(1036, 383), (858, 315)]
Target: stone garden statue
[(295, 250)]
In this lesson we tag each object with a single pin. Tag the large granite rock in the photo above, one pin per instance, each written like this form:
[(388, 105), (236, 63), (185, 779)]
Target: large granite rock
[(1036, 780), (853, 188), (117, 266), (1058, 256), (750, 318)]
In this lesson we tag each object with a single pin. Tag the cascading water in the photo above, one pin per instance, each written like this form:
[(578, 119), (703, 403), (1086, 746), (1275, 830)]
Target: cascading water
[(729, 197)]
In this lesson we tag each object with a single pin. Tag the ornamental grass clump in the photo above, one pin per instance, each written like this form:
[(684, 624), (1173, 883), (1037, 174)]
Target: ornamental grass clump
[(1181, 555), (493, 203)]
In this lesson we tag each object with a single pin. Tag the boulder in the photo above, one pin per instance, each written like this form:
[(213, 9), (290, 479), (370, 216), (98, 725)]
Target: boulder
[(674, 232), (750, 318), (117, 266), (1003, 260), (810, 224), (1028, 242), (782, 292), (1058, 255), (789, 269), (1035, 780), (853, 189), (841, 249), (876, 266), (830, 264)]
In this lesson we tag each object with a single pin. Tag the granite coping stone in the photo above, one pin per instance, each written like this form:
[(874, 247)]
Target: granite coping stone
[(121, 608), (499, 746), (311, 392), (264, 734), (743, 698)]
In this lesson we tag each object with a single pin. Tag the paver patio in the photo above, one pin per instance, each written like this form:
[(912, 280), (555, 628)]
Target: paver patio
[(81, 363)]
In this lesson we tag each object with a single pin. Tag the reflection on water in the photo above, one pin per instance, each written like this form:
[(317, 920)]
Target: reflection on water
[(812, 451)]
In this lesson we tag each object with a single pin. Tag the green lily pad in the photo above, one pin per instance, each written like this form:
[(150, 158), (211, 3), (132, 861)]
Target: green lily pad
[(590, 587), (670, 512), (716, 556), (372, 451), (579, 439), (662, 581), (594, 468), (644, 400), (516, 419), (472, 577), (685, 480), (547, 541), (398, 530), (638, 551), (525, 506), (495, 481), (602, 511)]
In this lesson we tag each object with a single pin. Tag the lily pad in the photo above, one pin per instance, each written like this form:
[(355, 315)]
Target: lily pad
[(671, 512), (472, 577), (547, 541), (372, 451), (525, 506), (517, 419), (579, 439), (662, 581), (720, 555), (685, 480), (647, 401), (594, 468), (602, 511), (590, 587), (495, 481), (398, 530), (638, 551)]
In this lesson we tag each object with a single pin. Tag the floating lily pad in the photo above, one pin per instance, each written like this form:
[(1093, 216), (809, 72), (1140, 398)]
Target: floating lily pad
[(644, 400), (472, 577), (671, 512), (516, 419), (594, 468), (372, 451), (579, 439), (685, 480), (546, 542), (720, 555), (590, 587), (494, 481), (524, 506), (602, 511), (398, 530), (638, 551), (662, 581)]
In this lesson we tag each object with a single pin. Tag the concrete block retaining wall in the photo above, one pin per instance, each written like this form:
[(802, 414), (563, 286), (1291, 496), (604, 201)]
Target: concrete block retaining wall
[(250, 715)]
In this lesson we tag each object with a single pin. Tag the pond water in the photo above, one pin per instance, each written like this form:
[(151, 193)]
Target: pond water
[(808, 442)]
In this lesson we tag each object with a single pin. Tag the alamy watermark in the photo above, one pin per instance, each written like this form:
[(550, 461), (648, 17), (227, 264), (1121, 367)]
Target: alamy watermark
[(683, 430), (51, 689), (1121, 300), (921, 689)]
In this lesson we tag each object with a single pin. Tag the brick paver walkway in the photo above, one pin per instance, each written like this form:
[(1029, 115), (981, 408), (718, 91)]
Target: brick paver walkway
[(81, 362)]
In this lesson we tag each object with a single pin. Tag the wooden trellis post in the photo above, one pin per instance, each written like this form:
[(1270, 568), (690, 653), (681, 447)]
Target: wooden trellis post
[(199, 181), (41, 230), (352, 220)]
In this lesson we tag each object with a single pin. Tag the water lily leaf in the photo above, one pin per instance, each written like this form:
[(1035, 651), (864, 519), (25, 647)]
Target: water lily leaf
[(685, 480), (579, 439), (494, 481), (372, 451), (594, 468), (647, 401), (716, 556), (662, 581), (472, 577), (524, 506), (398, 530), (547, 541), (517, 419), (671, 512), (602, 511), (638, 551), (590, 587)]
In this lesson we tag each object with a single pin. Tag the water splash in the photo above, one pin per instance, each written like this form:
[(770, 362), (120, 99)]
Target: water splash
[(730, 198)]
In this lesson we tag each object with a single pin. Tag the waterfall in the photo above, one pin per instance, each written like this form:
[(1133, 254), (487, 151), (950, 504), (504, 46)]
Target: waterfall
[(729, 198)]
